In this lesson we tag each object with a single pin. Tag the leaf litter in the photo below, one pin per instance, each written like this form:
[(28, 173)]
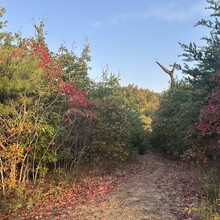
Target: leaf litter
[(152, 188)]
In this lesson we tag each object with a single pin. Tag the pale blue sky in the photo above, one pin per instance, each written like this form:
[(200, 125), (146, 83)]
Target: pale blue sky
[(125, 34)]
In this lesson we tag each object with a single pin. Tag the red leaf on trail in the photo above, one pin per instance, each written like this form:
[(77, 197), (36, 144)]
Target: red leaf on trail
[(186, 201), (23, 212)]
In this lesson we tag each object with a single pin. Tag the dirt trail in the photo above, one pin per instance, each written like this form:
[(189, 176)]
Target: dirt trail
[(154, 188)]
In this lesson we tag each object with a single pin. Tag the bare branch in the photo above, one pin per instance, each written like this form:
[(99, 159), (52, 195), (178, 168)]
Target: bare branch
[(169, 72)]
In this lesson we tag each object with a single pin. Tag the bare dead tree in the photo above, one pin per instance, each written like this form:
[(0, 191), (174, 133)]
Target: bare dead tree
[(169, 72)]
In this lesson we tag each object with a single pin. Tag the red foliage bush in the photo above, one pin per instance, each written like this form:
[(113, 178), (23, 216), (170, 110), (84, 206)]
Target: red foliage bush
[(205, 138), (76, 100)]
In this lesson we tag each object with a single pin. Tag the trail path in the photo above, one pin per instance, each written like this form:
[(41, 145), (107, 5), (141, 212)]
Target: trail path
[(153, 188)]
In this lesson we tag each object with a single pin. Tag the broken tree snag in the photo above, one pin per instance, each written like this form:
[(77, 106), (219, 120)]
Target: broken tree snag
[(169, 72)]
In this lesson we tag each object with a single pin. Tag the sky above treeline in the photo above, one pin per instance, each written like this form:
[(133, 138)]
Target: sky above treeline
[(125, 35)]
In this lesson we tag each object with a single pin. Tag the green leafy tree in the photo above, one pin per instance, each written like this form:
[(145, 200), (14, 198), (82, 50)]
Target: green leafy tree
[(204, 140), (140, 103), (111, 126), (207, 65), (36, 107), (206, 58), (75, 68), (178, 110), (123, 123)]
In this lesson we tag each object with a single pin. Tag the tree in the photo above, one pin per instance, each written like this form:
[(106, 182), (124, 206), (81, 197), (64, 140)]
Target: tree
[(37, 106), (170, 73), (206, 58), (40, 33), (204, 140), (180, 109), (140, 103), (75, 68), (109, 139)]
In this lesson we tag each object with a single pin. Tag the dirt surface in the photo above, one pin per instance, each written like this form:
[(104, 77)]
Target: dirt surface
[(154, 188)]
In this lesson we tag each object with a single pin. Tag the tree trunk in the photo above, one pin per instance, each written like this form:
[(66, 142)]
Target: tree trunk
[(170, 73)]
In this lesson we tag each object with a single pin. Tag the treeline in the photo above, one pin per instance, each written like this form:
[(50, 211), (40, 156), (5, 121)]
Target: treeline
[(53, 116), (187, 123)]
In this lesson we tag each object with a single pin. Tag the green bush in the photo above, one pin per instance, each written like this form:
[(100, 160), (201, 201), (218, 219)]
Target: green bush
[(178, 110)]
